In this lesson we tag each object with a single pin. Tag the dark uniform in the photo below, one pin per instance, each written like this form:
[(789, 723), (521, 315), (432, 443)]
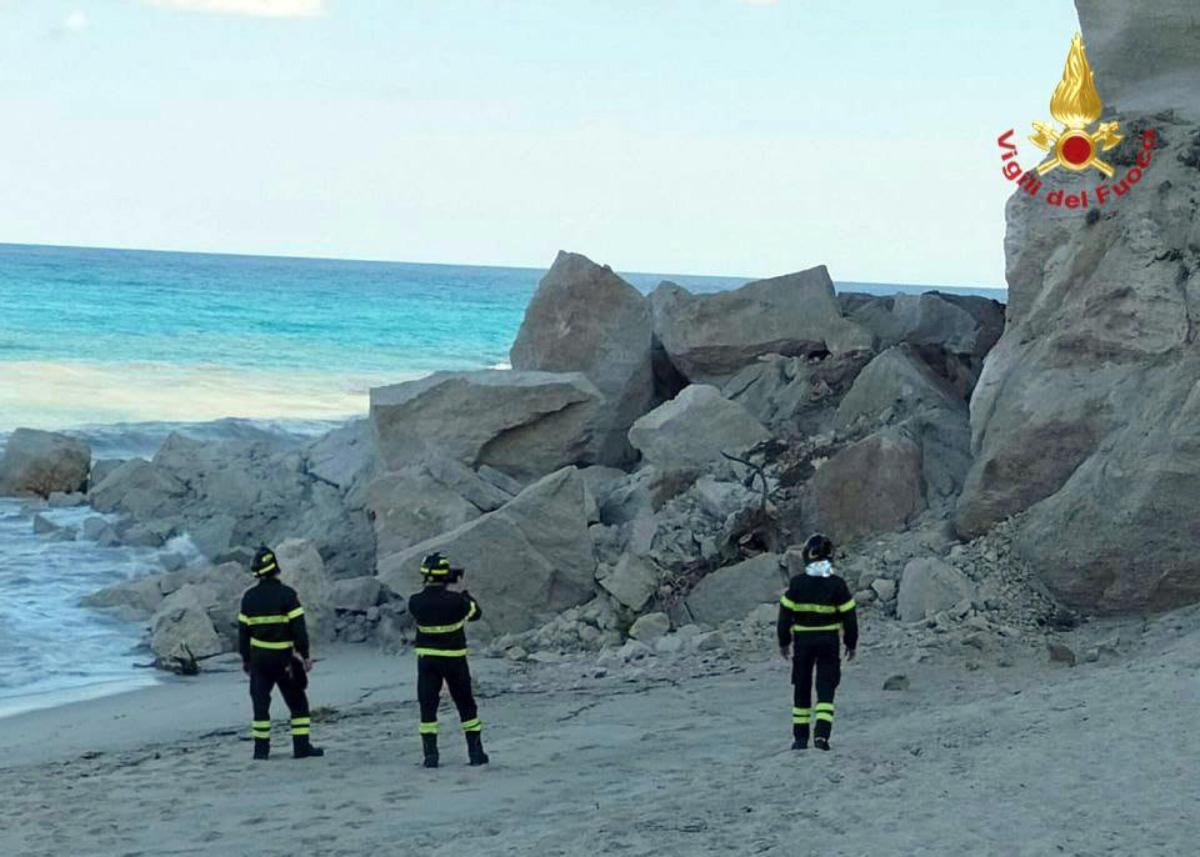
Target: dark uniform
[(441, 646), (271, 634), (811, 614)]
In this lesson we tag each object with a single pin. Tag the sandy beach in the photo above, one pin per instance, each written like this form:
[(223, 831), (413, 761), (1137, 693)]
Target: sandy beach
[(685, 756)]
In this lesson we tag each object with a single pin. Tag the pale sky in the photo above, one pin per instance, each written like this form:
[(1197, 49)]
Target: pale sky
[(741, 137)]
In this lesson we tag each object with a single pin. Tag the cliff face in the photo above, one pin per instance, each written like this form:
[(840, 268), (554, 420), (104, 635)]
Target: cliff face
[(1087, 415), (1144, 53)]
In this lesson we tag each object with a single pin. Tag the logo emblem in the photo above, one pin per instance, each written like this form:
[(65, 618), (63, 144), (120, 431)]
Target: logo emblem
[(1076, 104)]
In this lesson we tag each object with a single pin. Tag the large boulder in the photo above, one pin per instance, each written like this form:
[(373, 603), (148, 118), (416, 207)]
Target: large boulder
[(1084, 418), (1144, 54), (870, 487), (733, 591), (795, 396), (959, 324), (182, 628), (301, 567), (929, 586), (633, 581), (42, 462), (230, 497), (584, 318), (896, 384), (524, 424), (694, 428), (531, 557), (424, 500), (709, 337)]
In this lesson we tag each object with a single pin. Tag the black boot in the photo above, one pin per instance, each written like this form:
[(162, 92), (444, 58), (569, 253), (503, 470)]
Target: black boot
[(475, 749), (429, 745), (302, 748), (821, 743), (262, 748)]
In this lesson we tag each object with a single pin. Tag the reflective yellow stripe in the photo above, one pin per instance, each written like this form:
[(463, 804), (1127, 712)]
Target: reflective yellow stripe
[(260, 724), (471, 613), (806, 608), (825, 706), (837, 627), (475, 725), (847, 607), (442, 629), (263, 644), (299, 611), (262, 620), (300, 730), (827, 716), (429, 728), (267, 569), (261, 735), (301, 721), (801, 715), (443, 653), (801, 710)]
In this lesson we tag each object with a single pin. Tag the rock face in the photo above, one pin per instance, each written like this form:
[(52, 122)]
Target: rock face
[(733, 591), (930, 586), (301, 567), (1144, 54), (897, 383), (870, 487), (183, 629), (584, 318), (708, 338), (524, 424), (42, 462), (532, 556), (694, 428), (233, 496), (632, 582), (1084, 417), (425, 500)]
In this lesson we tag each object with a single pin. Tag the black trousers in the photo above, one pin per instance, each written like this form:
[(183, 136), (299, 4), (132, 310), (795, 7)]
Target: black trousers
[(284, 671), (432, 672), (815, 652)]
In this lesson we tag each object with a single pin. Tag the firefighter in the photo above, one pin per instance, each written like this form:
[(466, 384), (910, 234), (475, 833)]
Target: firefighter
[(273, 641), (815, 608), (441, 614)]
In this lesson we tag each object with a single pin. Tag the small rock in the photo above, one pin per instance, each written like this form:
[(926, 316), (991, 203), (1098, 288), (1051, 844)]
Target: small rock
[(884, 588), (670, 644), (1061, 654), (59, 500), (634, 650), (711, 642), (516, 653), (43, 526), (650, 627), (171, 561), (896, 682)]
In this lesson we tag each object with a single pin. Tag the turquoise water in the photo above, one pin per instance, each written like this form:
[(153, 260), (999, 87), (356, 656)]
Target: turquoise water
[(105, 336), (126, 346)]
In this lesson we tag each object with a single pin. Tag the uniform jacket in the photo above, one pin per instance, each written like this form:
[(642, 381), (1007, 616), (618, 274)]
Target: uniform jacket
[(271, 621), (442, 617), (817, 605)]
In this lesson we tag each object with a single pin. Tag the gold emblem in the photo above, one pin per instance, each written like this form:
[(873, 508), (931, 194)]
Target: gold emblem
[(1076, 104)]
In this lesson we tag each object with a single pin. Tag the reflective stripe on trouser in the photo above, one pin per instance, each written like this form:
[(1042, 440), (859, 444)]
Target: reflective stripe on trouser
[(301, 725), (801, 715), (429, 728), (825, 711), (472, 725), (260, 729)]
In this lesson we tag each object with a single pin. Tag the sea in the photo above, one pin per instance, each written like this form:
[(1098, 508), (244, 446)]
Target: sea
[(123, 347)]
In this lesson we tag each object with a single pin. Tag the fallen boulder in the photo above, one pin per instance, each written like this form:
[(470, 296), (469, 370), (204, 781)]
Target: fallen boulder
[(873, 486), (181, 628), (929, 586), (709, 337), (894, 385), (632, 582), (734, 591), (301, 567), (524, 424), (530, 557), (694, 429), (584, 318), (41, 463)]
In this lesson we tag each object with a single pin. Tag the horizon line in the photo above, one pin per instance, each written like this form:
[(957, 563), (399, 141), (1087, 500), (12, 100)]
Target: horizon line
[(324, 258)]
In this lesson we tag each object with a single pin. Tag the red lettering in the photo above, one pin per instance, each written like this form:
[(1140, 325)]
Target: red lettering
[(1011, 170), (1146, 155), (1002, 140)]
